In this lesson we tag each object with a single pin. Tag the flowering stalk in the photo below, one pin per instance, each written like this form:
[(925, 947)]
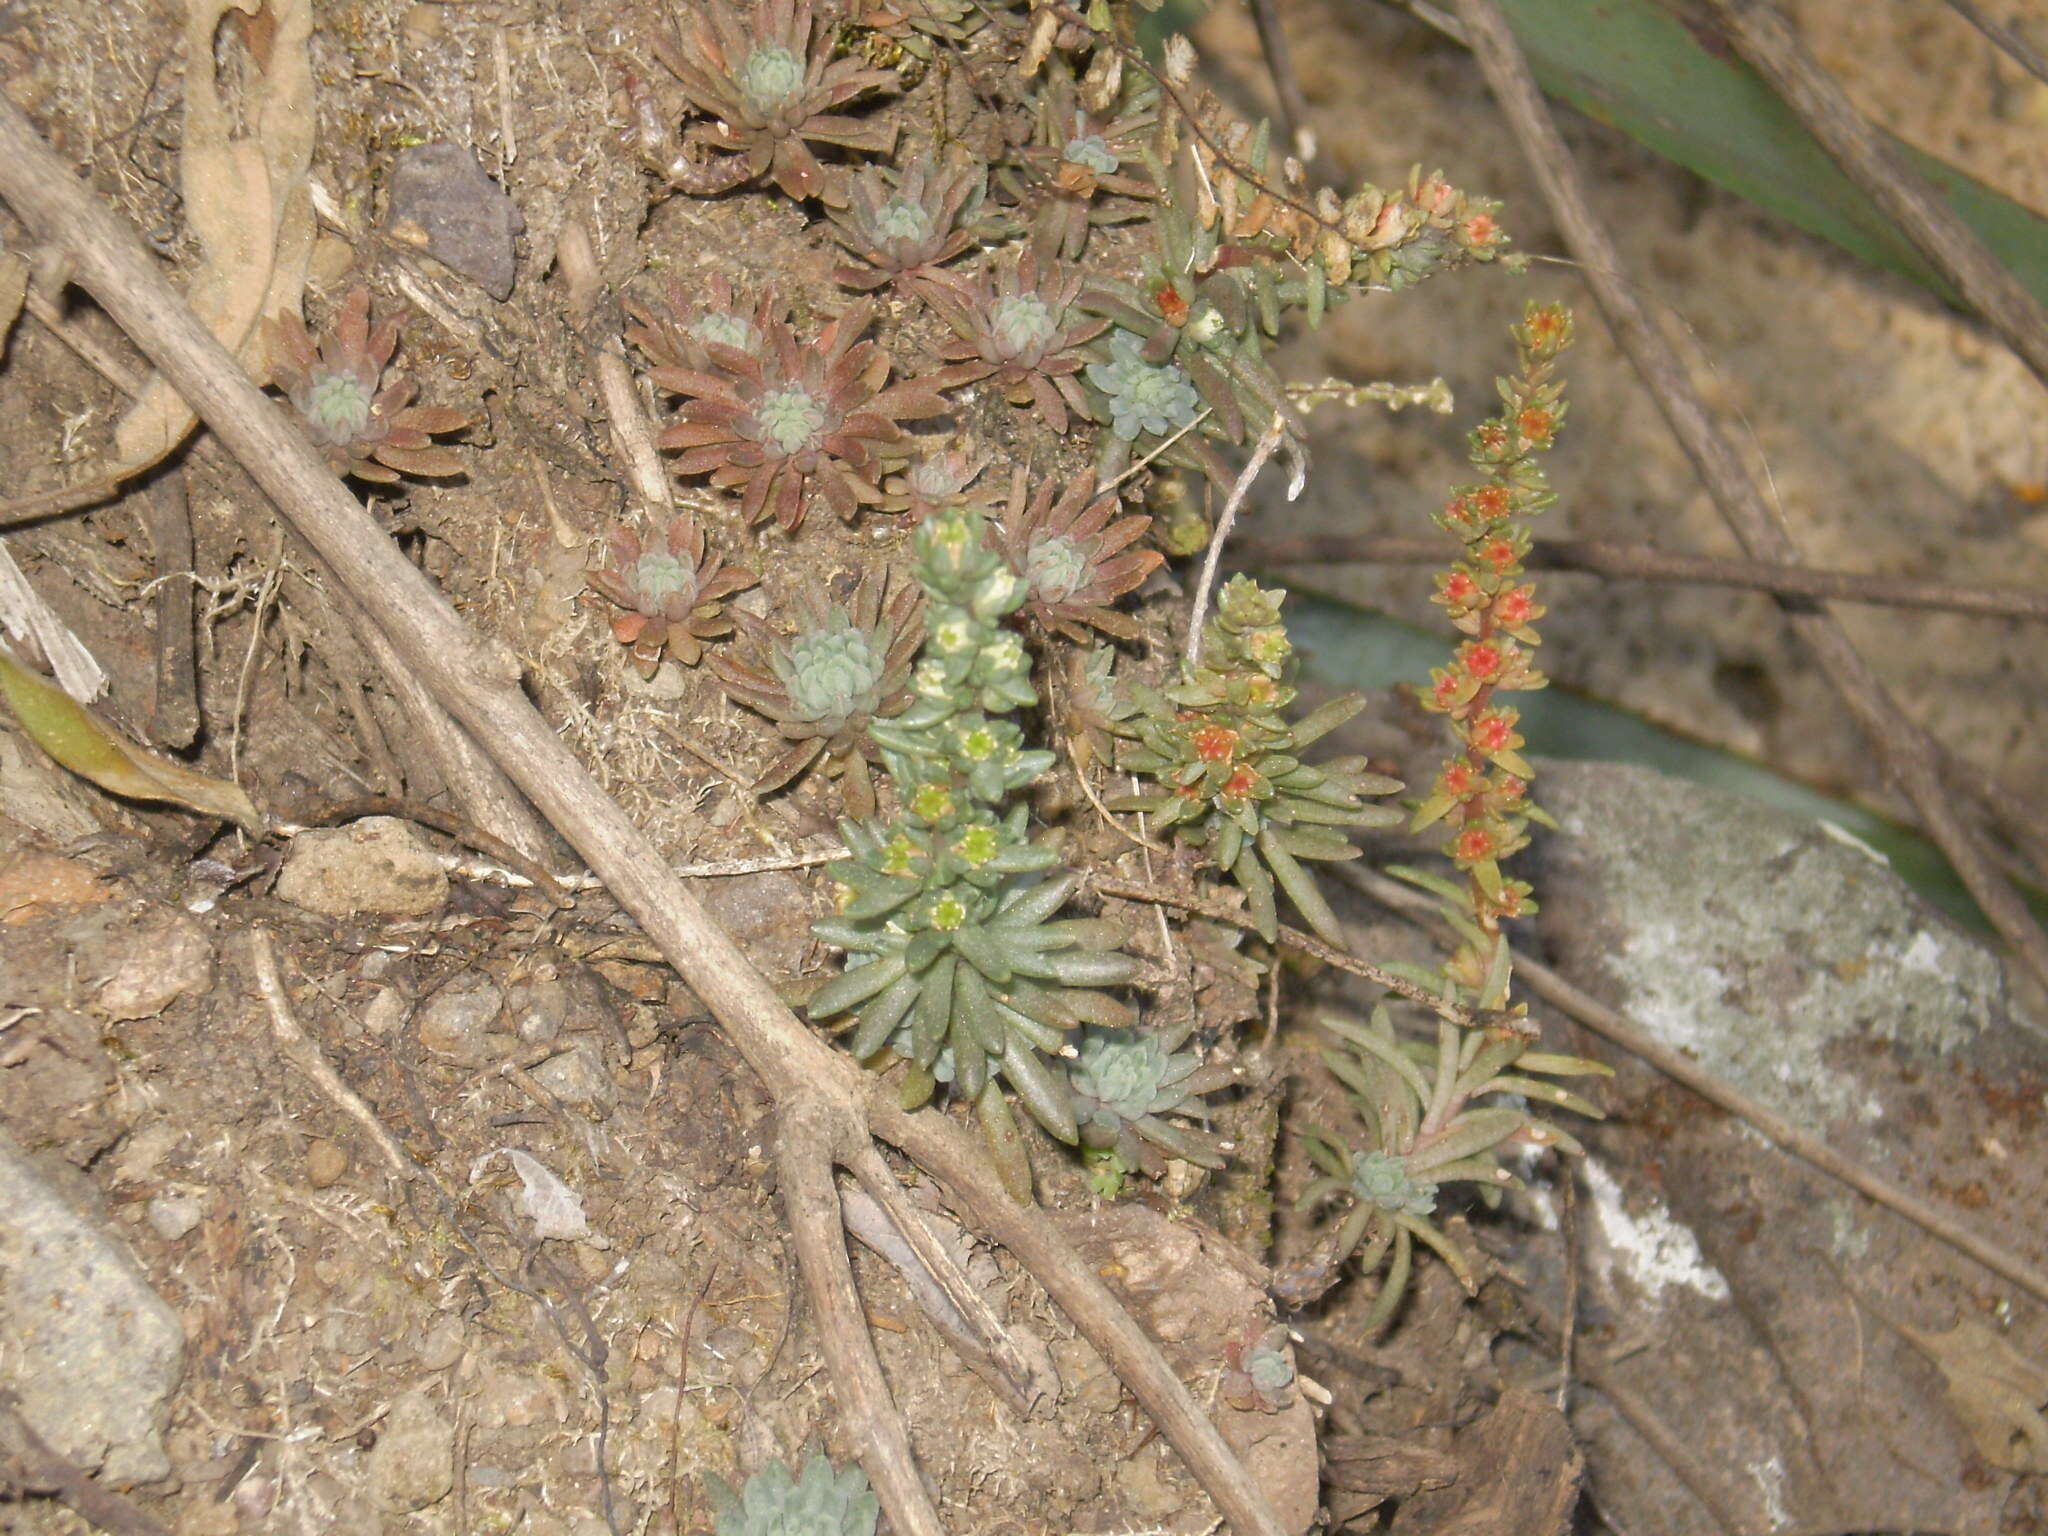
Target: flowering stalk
[(1481, 794)]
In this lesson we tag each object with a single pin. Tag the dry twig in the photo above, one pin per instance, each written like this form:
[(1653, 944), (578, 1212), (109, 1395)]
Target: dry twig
[(479, 686), (1292, 938), (1936, 230), (1644, 562), (1758, 525)]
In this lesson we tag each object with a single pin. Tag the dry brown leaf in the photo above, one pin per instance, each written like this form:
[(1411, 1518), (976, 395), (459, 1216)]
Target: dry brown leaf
[(1996, 1391), (246, 201)]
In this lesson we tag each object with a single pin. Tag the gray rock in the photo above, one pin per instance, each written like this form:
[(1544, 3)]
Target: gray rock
[(1754, 940), (412, 1464), (376, 865), (443, 203), (455, 1019), (92, 1351), (1792, 964), (578, 1076)]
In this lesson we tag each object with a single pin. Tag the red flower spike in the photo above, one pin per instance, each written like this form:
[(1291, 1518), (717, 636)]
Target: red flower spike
[(1484, 787)]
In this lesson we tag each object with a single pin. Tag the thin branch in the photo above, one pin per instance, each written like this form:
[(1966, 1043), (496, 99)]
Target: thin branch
[(1758, 525), (1270, 439), (1294, 939), (1615, 1026), (1874, 164), (1644, 562), (174, 712), (297, 1048), (479, 685), (2008, 41), (1301, 138), (804, 1142), (1078, 1289)]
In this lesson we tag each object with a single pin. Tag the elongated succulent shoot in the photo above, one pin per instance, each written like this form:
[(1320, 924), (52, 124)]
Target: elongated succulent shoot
[(957, 959), (1226, 768)]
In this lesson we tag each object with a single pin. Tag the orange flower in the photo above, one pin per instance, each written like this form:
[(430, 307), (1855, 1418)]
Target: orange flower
[(1214, 743)]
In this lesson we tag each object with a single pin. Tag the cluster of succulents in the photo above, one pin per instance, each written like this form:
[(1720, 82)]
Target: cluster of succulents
[(961, 968), (1073, 549), (770, 86), (948, 912), (670, 591), (846, 666), (1426, 1127), (817, 1502), (1481, 795), (1226, 769), (363, 425), (789, 421)]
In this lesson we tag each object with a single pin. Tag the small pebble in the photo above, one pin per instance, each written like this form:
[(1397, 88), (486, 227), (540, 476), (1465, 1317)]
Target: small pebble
[(326, 1162), (579, 1077), (175, 1215), (454, 1020), (413, 1463)]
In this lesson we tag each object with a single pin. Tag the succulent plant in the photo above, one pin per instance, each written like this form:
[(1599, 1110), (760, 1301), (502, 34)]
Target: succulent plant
[(790, 422), (1226, 763), (957, 959), (676, 333), (1425, 1130), (1075, 156), (1258, 1373), (1124, 1081), (772, 85), (895, 225), (672, 592), (1073, 551), (1205, 317), (847, 665), (1018, 325), (819, 1502), (1138, 399), (362, 425)]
